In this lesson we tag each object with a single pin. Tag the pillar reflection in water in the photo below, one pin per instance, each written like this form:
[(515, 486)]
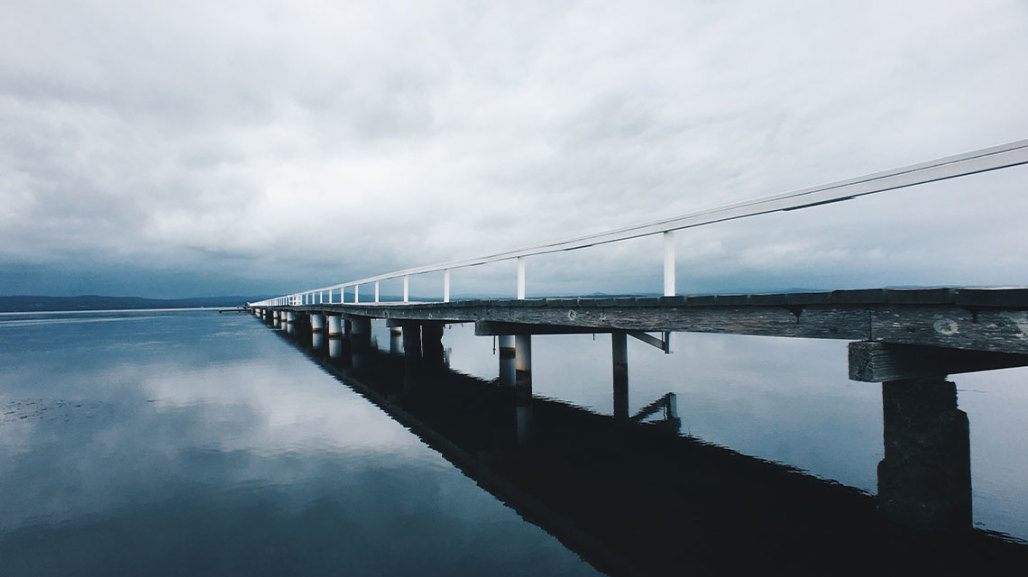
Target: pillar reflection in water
[(924, 481), (318, 340), (335, 347)]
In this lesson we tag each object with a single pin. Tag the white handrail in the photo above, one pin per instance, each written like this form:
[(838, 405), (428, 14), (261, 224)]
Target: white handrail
[(993, 158)]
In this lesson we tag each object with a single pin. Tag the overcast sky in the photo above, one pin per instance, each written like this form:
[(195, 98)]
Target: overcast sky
[(205, 148)]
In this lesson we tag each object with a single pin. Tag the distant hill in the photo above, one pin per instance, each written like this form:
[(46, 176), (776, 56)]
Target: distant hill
[(22, 303)]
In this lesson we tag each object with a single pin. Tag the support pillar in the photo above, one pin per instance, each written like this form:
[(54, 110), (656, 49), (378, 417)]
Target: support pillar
[(924, 481), (523, 388), (508, 368), (317, 322), (411, 358), (395, 340), (523, 362), (360, 340), (433, 354), (619, 356), (335, 325)]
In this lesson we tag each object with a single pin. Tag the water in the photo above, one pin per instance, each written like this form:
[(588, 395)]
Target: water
[(166, 442), (201, 444)]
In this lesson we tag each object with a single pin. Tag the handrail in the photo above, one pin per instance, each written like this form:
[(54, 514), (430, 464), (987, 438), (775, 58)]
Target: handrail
[(987, 159)]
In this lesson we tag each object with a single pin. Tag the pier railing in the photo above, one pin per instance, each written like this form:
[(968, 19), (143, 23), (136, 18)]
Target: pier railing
[(993, 158)]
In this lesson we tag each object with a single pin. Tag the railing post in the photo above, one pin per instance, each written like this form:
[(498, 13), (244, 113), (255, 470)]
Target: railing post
[(669, 263), (356, 293), (446, 286), (406, 288), (521, 278), (376, 291)]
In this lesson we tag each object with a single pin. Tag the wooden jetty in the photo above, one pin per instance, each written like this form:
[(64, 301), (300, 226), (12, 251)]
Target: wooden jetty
[(910, 340), (896, 333)]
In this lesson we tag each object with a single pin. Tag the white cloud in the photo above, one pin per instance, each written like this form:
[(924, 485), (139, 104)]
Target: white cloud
[(348, 139)]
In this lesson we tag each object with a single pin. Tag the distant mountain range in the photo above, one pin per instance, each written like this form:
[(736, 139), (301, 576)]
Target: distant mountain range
[(22, 303)]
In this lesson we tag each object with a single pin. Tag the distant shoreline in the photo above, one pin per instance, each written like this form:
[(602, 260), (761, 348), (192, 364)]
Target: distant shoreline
[(87, 303), (89, 311)]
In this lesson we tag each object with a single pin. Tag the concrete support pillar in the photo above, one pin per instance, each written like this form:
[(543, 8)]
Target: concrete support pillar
[(433, 354), (412, 358), (508, 368), (335, 325), (619, 356), (523, 362), (924, 481), (395, 340), (317, 322), (523, 387), (360, 341)]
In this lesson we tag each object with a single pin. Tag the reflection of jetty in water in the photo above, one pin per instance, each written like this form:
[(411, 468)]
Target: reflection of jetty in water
[(635, 498)]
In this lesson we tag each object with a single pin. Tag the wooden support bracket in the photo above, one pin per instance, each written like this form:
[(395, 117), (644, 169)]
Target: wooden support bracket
[(663, 343), (875, 362)]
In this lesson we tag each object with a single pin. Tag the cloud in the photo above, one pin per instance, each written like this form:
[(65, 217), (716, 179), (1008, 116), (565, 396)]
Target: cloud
[(295, 145)]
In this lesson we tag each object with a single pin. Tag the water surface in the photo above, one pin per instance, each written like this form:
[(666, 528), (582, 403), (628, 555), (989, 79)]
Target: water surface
[(170, 442)]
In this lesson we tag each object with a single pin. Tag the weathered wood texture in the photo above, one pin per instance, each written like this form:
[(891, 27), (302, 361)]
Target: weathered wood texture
[(876, 362), (968, 319)]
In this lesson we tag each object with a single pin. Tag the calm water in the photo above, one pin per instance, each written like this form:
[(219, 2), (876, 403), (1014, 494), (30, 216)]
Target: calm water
[(198, 443)]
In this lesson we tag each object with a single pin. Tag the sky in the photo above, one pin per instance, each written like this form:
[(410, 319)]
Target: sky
[(259, 148)]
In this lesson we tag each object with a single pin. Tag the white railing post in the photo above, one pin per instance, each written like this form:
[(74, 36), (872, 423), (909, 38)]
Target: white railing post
[(406, 288), (376, 291), (669, 263), (521, 278), (446, 286), (356, 293)]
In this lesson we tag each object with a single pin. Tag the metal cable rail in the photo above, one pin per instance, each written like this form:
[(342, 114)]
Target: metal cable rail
[(987, 159)]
